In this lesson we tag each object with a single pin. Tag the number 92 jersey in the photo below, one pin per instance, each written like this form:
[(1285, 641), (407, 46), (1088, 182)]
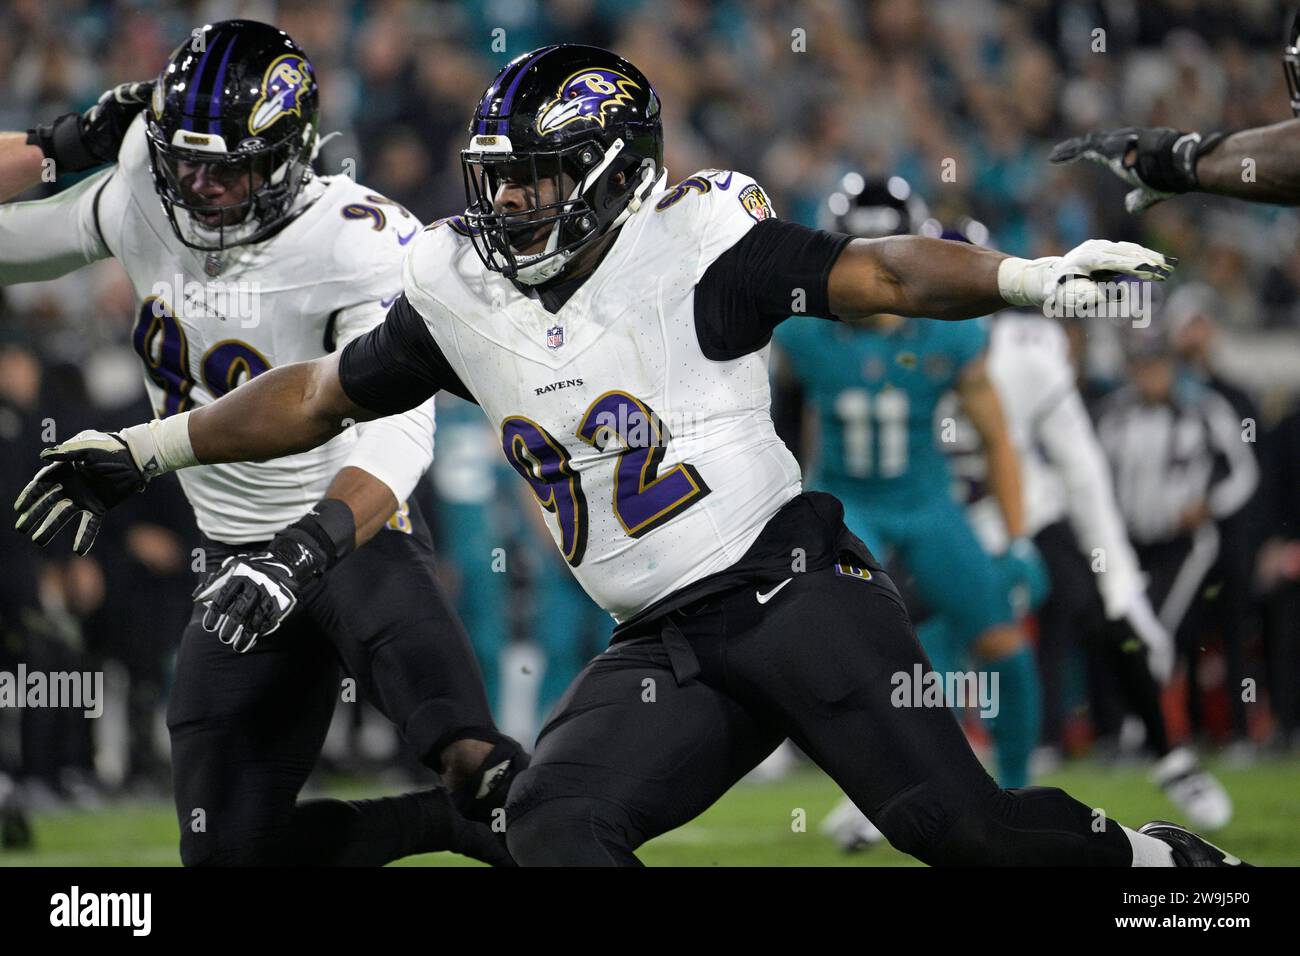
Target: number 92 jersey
[(642, 425), (327, 276)]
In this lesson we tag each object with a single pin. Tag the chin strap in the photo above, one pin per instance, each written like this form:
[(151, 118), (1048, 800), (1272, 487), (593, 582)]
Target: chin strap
[(549, 268)]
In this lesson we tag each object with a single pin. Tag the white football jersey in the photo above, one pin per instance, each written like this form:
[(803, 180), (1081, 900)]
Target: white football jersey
[(328, 276), (664, 465)]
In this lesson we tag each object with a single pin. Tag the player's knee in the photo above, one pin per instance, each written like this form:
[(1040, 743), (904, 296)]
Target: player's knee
[(915, 821), (570, 831), (208, 849)]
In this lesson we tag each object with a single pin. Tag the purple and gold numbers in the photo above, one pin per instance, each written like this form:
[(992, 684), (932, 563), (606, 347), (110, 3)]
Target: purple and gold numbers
[(545, 465), (160, 341), (642, 498)]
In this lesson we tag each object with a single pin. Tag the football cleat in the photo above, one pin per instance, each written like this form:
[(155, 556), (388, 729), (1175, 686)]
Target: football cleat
[(1189, 849), (849, 828), (1193, 790)]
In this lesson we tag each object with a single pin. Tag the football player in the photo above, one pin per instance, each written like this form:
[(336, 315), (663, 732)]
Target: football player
[(1161, 162), (616, 334), (244, 261)]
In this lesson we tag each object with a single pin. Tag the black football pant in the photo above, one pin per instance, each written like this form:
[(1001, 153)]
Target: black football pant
[(246, 729), (660, 725)]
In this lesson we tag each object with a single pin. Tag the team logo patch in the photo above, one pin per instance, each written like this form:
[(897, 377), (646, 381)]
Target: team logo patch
[(586, 95), (286, 80), (555, 337), (756, 202), (853, 571)]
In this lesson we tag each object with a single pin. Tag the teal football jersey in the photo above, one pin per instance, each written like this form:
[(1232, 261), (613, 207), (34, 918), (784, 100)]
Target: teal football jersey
[(876, 394)]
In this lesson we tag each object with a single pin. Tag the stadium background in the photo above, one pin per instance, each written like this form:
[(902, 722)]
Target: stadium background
[(795, 93)]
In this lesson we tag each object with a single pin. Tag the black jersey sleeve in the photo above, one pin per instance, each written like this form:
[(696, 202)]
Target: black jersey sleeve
[(759, 282), (397, 364)]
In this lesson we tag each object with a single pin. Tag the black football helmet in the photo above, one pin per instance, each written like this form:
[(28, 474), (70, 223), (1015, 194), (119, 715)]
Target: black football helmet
[(237, 106), (576, 116), (875, 207), (1291, 62)]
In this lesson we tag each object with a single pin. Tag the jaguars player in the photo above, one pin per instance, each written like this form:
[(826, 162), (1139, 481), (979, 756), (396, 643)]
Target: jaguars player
[(244, 261), (615, 332), (1161, 162)]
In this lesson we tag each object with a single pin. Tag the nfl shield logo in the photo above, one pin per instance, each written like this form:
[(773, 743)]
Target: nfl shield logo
[(555, 337)]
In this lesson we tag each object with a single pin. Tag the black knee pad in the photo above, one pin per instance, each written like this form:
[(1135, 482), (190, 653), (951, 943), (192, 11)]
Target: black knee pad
[(914, 821), (571, 831)]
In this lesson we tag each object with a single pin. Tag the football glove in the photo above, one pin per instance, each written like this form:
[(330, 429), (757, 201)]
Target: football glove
[(77, 141), (1068, 283), (1139, 623), (90, 473), (250, 595), (1023, 570), (1157, 163)]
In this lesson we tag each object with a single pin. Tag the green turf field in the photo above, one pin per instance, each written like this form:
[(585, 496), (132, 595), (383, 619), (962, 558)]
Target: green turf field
[(754, 825)]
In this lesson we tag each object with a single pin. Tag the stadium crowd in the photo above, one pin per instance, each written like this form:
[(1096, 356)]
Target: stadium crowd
[(964, 99)]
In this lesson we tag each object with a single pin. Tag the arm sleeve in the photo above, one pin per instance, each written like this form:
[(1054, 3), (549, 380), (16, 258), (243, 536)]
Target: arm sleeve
[(398, 449), (52, 237), (397, 365), (759, 282), (1227, 495), (1066, 435)]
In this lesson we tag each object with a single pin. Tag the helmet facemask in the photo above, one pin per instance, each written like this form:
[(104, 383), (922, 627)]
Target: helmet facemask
[(573, 197), (270, 177)]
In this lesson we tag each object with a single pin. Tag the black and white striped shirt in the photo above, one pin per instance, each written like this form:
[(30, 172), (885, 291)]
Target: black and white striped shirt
[(1167, 457)]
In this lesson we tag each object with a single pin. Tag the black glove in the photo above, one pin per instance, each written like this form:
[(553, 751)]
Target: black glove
[(1162, 164), (250, 595), (91, 473), (77, 141)]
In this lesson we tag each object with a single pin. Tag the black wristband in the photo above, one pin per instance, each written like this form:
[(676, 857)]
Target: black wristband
[(332, 527), (62, 142), (1166, 158)]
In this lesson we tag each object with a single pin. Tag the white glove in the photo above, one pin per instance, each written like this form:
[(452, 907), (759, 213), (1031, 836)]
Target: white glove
[(1068, 284), (1144, 625)]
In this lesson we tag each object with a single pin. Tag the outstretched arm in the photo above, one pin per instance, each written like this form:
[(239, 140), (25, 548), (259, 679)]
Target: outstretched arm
[(1261, 165), (281, 412), (941, 279), (73, 142), (1258, 165), (394, 367), (20, 164)]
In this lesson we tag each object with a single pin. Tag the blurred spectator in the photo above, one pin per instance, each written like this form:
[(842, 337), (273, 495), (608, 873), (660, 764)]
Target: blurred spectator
[(1181, 471)]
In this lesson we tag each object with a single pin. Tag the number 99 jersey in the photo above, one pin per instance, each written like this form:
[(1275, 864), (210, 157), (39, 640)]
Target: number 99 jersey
[(207, 324)]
